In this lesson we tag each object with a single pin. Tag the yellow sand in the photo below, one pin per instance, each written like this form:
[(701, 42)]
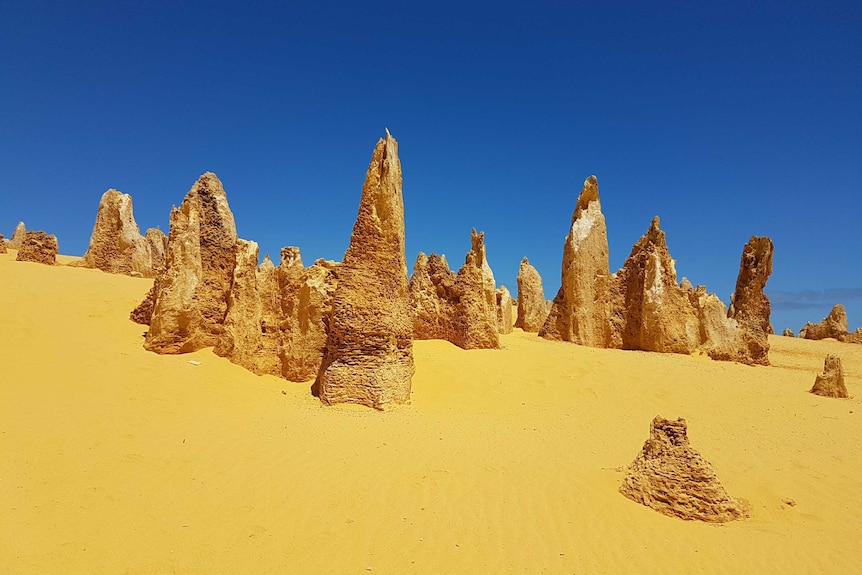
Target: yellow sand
[(116, 460)]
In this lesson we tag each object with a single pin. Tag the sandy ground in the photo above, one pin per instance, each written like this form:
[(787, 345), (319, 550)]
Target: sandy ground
[(116, 460)]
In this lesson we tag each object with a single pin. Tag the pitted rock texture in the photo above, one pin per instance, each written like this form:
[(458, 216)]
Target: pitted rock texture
[(2, 244), (749, 305), (369, 350), (192, 299), (432, 297), (505, 319), (833, 325), (581, 310), (668, 475), (788, 332), (474, 321), (18, 236), (532, 305), (830, 383), (116, 244), (39, 247), (158, 244)]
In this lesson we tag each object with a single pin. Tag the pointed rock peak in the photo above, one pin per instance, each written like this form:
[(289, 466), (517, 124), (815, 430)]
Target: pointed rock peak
[(525, 261), (267, 264), (421, 262), (477, 251), (669, 476), (290, 256), (830, 383), (589, 194)]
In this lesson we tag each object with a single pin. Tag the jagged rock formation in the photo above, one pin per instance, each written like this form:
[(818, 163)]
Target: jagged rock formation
[(532, 305), (17, 236), (749, 305), (432, 297), (788, 332), (39, 247), (830, 383), (2, 245), (369, 350), (833, 325), (581, 309), (306, 297), (191, 300), (668, 475), (116, 244), (144, 312), (505, 321)]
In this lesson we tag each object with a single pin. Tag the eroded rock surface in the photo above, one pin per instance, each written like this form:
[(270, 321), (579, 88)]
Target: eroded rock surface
[(749, 305), (830, 383), (369, 350), (474, 321), (668, 475), (505, 319), (532, 305), (833, 325), (192, 299), (2, 245), (39, 247), (788, 332), (432, 297), (18, 236)]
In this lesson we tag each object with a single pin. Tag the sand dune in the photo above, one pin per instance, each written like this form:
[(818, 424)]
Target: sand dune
[(117, 460)]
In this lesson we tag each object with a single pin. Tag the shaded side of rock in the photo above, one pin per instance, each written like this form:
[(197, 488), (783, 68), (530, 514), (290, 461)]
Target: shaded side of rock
[(749, 305), (39, 247), (474, 319), (158, 246), (2, 245), (369, 350), (830, 383), (668, 475), (432, 297), (788, 332), (532, 305), (505, 319)]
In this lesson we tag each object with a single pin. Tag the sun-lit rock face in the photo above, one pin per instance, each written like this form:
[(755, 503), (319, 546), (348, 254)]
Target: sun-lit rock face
[(833, 325), (581, 310), (505, 321), (749, 305), (191, 303), (369, 350), (17, 236), (532, 305), (39, 247), (116, 244), (668, 475), (432, 297), (830, 383)]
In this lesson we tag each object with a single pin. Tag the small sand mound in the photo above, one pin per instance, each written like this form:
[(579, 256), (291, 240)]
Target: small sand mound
[(672, 478), (830, 383)]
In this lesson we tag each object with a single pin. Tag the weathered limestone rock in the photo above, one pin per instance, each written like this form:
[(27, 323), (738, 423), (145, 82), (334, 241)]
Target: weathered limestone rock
[(2, 245), (369, 350), (720, 336), (830, 383), (116, 245), (672, 478), (192, 298), (158, 245), (432, 297), (307, 296), (581, 309), (251, 336), (144, 312), (38, 247), (532, 305), (17, 236), (749, 305), (474, 320), (651, 312), (505, 321), (788, 332), (833, 325)]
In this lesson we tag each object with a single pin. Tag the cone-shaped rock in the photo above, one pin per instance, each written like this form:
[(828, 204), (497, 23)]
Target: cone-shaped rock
[(18, 236), (505, 319), (192, 298), (432, 297), (580, 312), (369, 350), (788, 332), (672, 478), (833, 325), (651, 310), (474, 323), (532, 305), (306, 307), (830, 383), (38, 247), (749, 304), (116, 245)]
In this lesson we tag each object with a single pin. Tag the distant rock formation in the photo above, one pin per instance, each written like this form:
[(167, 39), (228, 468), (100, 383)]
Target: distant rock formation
[(432, 297), (39, 247), (788, 332), (117, 246), (532, 305), (17, 237), (833, 325), (191, 300), (581, 309), (749, 305), (830, 383), (668, 475), (2, 245), (369, 350), (505, 321), (158, 244)]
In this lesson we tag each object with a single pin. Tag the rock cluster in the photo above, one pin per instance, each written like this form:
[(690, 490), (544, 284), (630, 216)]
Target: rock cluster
[(17, 236), (533, 308), (369, 348), (461, 308), (39, 247), (833, 325), (830, 383), (642, 306), (117, 246), (668, 475)]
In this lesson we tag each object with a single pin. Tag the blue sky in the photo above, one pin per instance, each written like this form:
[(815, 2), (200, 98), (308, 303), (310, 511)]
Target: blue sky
[(726, 120)]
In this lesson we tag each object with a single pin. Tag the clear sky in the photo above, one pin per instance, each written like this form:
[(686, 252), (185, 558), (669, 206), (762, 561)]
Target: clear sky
[(725, 119)]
